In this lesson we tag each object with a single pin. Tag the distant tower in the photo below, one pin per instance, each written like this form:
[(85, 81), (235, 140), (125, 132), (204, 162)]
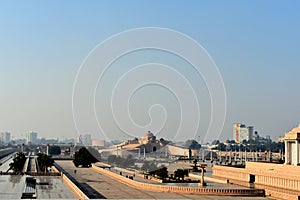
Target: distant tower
[(32, 137), (5, 137), (242, 132), (47, 149)]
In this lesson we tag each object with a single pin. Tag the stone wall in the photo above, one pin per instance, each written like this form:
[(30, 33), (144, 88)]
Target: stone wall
[(276, 179)]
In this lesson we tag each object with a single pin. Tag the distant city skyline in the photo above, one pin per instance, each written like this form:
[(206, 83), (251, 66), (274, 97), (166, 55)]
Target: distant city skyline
[(254, 44)]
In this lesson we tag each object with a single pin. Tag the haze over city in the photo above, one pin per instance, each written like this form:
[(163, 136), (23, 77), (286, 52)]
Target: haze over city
[(254, 44)]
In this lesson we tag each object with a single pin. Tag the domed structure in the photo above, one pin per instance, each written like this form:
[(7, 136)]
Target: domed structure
[(148, 137)]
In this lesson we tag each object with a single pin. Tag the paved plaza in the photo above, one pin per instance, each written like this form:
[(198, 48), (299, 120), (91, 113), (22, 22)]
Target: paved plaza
[(48, 187), (112, 189)]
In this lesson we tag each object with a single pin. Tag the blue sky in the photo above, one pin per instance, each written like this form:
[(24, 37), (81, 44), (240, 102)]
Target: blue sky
[(255, 45)]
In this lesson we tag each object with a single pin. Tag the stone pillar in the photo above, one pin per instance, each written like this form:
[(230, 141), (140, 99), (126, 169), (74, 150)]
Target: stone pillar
[(297, 152), (166, 151), (286, 157), (235, 156), (47, 149), (139, 153), (202, 183)]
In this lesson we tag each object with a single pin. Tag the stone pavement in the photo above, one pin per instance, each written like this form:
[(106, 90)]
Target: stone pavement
[(48, 187), (112, 189)]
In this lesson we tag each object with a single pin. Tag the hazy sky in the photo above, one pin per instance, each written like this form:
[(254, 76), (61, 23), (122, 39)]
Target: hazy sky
[(255, 45)]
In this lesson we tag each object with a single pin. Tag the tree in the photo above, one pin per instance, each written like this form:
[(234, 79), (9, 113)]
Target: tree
[(111, 159), (162, 173), (84, 158), (192, 144), (54, 150), (180, 173), (18, 162), (122, 162), (95, 153), (195, 162), (149, 167), (44, 161)]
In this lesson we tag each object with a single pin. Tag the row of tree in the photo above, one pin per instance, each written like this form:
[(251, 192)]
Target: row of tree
[(250, 146), (18, 162), (44, 161), (162, 171), (129, 161)]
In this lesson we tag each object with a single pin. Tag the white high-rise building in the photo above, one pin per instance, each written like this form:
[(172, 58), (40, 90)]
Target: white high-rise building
[(32, 137), (5, 137), (85, 139), (242, 132)]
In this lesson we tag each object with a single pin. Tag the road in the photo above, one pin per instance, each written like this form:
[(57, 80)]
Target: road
[(113, 189)]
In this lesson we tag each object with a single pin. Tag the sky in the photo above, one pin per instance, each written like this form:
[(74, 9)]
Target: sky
[(254, 44)]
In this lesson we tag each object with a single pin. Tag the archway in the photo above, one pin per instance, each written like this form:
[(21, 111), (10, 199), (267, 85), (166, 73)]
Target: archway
[(154, 149)]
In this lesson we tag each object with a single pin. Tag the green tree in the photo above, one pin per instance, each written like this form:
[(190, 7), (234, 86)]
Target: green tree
[(181, 173), (122, 162), (54, 150), (162, 173), (44, 161), (149, 167), (84, 158), (18, 162), (111, 159)]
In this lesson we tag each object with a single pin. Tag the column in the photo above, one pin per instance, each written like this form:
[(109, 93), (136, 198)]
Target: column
[(139, 153), (235, 156), (286, 155), (47, 149), (297, 152)]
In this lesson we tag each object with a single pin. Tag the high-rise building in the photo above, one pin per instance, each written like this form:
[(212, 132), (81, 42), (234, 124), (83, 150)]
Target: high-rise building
[(87, 140), (32, 137), (5, 137), (84, 139), (242, 132)]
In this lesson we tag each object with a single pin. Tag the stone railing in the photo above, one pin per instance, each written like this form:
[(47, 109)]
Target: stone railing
[(138, 174), (279, 181), (73, 187), (231, 173), (207, 179), (178, 189)]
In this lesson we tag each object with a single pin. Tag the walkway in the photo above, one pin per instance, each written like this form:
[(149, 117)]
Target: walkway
[(113, 189)]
